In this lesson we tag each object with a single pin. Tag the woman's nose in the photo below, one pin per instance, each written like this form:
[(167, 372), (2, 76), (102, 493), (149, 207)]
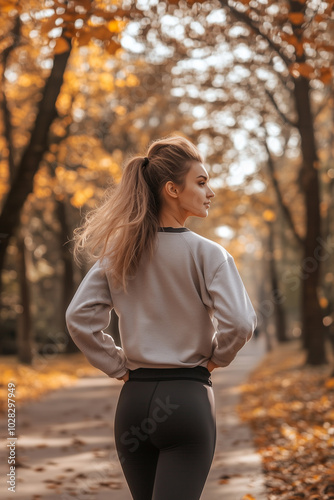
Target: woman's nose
[(211, 193)]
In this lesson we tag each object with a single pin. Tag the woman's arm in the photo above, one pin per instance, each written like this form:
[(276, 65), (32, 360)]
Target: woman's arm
[(233, 311), (86, 317)]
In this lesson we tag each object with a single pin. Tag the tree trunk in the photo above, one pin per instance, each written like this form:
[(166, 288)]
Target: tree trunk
[(68, 274), (312, 326), (24, 174), (280, 323), (24, 330)]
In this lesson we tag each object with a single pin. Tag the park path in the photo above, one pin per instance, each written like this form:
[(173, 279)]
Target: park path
[(65, 447)]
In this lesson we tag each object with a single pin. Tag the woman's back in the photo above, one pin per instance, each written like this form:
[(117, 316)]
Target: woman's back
[(166, 313)]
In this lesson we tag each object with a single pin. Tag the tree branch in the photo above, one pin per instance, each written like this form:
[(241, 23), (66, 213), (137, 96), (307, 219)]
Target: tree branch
[(4, 103), (280, 112), (282, 204), (22, 184), (241, 16)]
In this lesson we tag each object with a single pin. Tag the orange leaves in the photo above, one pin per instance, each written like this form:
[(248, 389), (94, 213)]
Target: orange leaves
[(291, 39), (46, 375), (294, 432), (100, 32), (9, 6), (301, 69), (189, 2), (307, 71), (61, 46), (325, 75), (296, 18), (112, 47), (330, 383), (81, 197), (86, 24), (48, 24)]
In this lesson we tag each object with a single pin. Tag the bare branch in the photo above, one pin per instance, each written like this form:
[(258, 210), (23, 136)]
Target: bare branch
[(281, 202), (280, 112)]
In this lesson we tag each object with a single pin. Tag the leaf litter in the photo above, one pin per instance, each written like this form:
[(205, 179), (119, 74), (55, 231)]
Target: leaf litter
[(290, 408)]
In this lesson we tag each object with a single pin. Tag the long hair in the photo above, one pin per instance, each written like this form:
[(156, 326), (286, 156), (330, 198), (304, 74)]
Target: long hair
[(125, 225)]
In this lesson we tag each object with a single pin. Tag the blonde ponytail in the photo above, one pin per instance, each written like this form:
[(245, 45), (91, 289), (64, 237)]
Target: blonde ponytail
[(125, 225)]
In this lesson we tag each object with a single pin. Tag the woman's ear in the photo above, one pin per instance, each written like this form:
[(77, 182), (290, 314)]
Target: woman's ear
[(171, 189)]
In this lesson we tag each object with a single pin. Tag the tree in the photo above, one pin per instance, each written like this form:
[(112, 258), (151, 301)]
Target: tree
[(283, 67), (296, 34), (61, 28), (77, 23)]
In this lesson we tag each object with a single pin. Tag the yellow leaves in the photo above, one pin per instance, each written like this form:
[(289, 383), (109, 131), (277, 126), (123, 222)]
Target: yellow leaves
[(248, 497), (269, 215), (61, 46), (27, 80), (115, 26), (66, 176), (120, 110), (132, 81), (4, 177), (81, 197), (43, 184)]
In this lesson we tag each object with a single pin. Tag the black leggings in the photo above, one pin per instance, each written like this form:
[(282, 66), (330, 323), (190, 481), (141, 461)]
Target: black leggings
[(165, 432)]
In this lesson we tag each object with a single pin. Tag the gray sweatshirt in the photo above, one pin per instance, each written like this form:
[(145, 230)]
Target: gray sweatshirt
[(183, 307)]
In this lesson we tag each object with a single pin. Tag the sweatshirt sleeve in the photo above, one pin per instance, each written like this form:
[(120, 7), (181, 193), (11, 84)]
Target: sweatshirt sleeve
[(86, 317), (233, 311)]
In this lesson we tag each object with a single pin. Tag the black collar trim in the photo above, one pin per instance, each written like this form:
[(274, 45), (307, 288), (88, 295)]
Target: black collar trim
[(173, 229)]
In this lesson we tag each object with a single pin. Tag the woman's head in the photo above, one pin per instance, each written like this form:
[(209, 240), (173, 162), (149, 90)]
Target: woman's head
[(125, 225), (166, 160)]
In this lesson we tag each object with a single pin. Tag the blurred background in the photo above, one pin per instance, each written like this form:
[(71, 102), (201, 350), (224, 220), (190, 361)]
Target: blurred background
[(86, 84)]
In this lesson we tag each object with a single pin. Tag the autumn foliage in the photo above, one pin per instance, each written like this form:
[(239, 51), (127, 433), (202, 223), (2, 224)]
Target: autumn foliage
[(290, 409), (32, 382)]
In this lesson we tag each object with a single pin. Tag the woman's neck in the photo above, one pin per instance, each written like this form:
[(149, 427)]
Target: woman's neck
[(170, 221)]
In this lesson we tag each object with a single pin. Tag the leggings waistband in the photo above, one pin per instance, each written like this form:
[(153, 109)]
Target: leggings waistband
[(199, 373)]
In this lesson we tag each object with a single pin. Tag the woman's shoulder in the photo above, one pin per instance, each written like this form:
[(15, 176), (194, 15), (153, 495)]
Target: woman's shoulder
[(207, 249)]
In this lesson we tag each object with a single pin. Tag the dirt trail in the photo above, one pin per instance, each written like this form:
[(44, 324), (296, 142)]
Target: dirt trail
[(65, 446)]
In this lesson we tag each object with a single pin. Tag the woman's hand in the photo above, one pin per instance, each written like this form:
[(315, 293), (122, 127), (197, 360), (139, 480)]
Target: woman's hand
[(125, 377), (211, 365)]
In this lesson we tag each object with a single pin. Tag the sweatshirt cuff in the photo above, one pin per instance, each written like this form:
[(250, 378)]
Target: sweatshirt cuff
[(119, 374), (219, 362)]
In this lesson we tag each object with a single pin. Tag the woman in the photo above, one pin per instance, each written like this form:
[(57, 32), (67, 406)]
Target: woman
[(167, 285)]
